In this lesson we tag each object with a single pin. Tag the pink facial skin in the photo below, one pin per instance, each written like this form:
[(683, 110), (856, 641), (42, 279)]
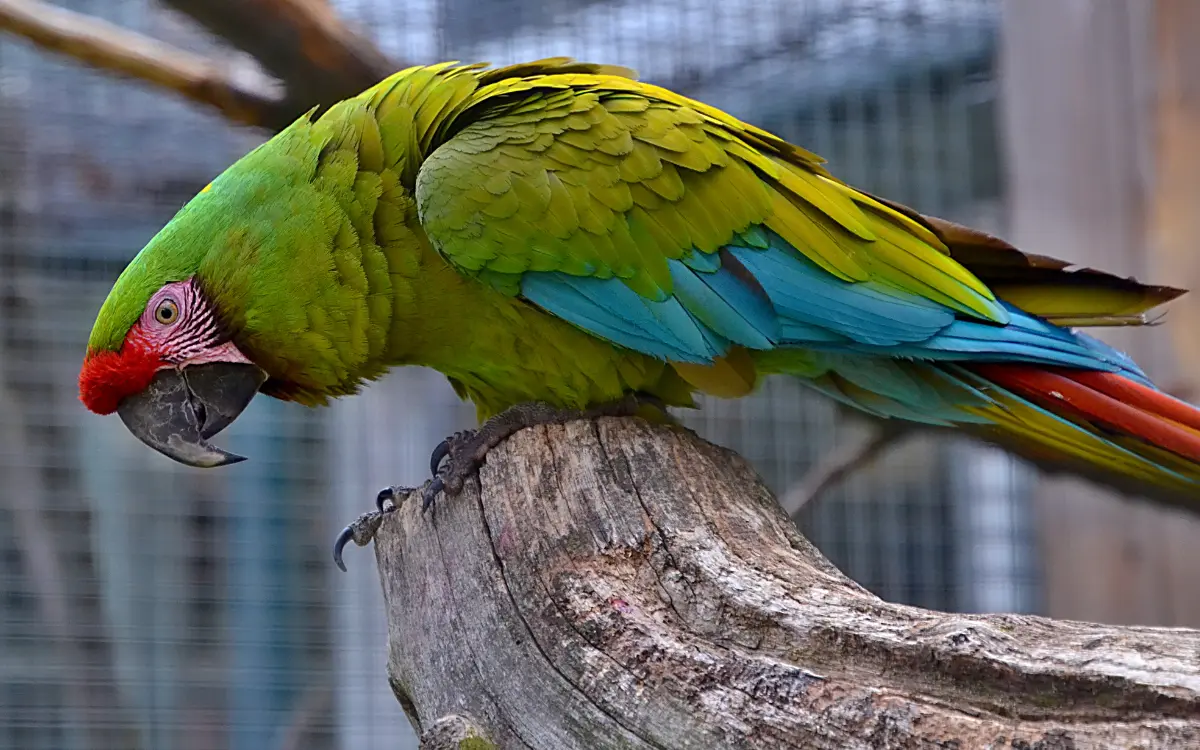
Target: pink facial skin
[(178, 328)]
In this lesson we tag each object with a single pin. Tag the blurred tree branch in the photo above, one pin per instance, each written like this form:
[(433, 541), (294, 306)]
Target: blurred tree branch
[(302, 42), (109, 47), (845, 459)]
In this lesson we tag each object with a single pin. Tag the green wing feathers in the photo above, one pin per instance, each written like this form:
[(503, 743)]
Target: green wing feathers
[(595, 175)]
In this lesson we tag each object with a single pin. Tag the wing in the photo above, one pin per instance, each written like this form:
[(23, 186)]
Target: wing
[(1050, 288), (671, 228)]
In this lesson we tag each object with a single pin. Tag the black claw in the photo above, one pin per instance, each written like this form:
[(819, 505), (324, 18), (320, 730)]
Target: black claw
[(441, 451), (342, 539), (386, 494), (431, 492)]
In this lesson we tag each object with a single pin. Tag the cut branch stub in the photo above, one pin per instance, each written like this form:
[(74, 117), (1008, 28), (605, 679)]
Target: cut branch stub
[(93, 41), (317, 57), (303, 43), (615, 584)]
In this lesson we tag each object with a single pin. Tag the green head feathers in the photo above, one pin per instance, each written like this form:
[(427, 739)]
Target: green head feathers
[(277, 244)]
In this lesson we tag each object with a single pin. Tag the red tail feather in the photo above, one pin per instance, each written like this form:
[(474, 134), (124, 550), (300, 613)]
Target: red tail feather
[(1106, 399), (1136, 394)]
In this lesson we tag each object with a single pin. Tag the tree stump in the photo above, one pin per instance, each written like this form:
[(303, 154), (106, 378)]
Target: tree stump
[(612, 584)]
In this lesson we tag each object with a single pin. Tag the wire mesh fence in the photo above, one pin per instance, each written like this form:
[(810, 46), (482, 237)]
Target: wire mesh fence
[(146, 606)]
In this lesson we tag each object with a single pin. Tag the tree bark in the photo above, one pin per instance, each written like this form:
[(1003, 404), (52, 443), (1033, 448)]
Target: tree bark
[(610, 584)]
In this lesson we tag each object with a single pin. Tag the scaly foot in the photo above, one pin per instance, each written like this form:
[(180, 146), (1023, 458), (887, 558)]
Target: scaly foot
[(363, 530), (459, 456)]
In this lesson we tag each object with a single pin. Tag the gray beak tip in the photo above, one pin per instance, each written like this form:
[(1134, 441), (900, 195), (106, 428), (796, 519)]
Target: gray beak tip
[(181, 408), (201, 454)]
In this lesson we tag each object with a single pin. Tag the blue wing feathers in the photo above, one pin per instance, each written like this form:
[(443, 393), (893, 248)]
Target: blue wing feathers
[(1026, 339), (564, 298), (698, 261), (673, 317), (726, 305), (806, 293), (709, 310), (793, 332), (806, 307)]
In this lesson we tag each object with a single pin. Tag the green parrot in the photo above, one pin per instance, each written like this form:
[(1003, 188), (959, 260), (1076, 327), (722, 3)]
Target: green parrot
[(558, 239)]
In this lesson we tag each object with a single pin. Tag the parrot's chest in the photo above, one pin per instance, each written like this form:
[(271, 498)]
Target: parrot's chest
[(499, 350), (523, 354)]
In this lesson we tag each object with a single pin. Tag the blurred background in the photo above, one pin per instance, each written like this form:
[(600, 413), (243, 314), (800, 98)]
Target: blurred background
[(144, 606)]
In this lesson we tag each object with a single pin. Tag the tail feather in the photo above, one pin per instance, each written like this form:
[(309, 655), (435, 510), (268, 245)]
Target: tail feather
[(1101, 425), (1057, 441), (1106, 400), (1150, 399)]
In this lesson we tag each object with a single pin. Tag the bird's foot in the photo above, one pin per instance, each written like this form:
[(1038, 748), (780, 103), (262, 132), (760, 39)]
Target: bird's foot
[(364, 528), (459, 456)]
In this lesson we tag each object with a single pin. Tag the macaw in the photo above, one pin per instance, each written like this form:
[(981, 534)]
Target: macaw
[(559, 239)]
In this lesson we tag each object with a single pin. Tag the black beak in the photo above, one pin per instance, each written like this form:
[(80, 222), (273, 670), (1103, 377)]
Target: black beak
[(181, 408)]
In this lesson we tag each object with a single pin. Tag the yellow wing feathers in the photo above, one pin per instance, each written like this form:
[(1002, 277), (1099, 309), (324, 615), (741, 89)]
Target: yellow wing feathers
[(563, 166)]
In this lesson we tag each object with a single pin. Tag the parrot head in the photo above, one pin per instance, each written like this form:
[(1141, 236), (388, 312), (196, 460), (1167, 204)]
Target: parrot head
[(216, 308), (176, 379), (257, 285)]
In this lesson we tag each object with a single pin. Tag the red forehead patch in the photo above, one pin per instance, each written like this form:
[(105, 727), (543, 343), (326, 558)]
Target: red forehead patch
[(107, 377)]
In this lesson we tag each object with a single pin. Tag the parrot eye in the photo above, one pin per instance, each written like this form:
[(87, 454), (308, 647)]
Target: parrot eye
[(166, 312)]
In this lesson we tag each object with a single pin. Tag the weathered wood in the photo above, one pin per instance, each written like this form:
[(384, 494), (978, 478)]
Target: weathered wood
[(610, 584)]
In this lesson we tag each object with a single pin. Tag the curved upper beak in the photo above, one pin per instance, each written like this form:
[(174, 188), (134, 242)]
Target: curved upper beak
[(182, 407)]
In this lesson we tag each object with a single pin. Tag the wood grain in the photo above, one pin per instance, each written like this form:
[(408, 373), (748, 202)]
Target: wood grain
[(611, 584)]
